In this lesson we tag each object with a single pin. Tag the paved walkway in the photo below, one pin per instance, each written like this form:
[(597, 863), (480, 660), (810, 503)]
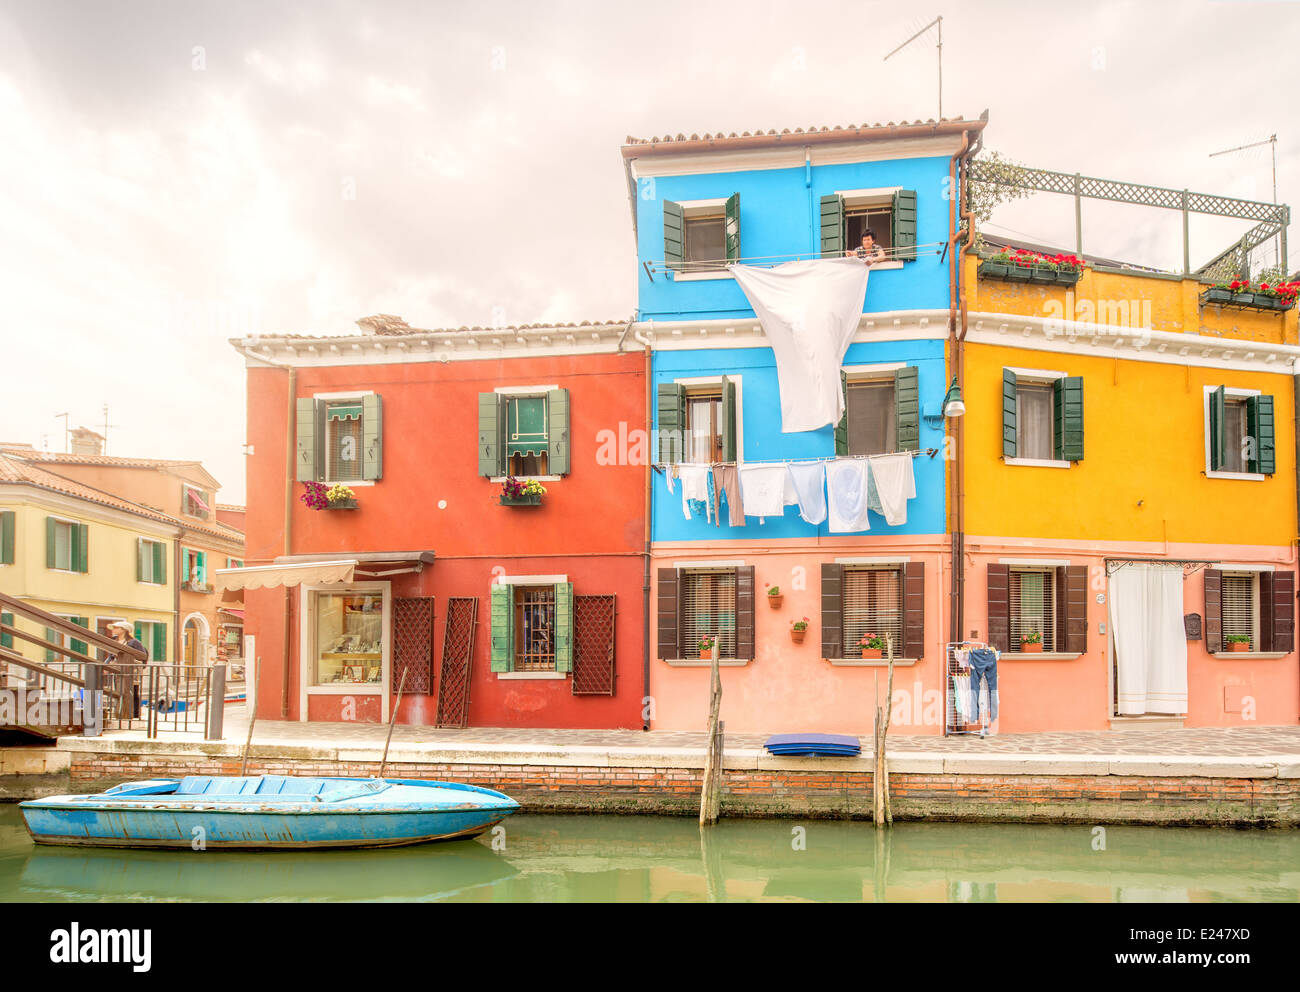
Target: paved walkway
[(1204, 743)]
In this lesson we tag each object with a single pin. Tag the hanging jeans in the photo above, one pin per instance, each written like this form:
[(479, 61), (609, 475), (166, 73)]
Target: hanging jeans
[(983, 669)]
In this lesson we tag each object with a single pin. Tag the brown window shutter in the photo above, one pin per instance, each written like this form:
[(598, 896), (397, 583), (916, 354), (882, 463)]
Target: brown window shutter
[(667, 624), (999, 583), (913, 610), (1276, 611), (413, 644), (1213, 610), (832, 610), (1072, 608), (745, 612)]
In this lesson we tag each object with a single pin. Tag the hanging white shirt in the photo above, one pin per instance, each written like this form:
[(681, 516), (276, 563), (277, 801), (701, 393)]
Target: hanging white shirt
[(890, 485), (762, 490), (808, 482), (846, 492), (695, 485), (810, 312)]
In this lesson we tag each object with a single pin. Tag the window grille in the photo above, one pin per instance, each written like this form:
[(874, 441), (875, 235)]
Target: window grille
[(534, 629), (1238, 596), (1033, 606), (708, 606), (873, 604)]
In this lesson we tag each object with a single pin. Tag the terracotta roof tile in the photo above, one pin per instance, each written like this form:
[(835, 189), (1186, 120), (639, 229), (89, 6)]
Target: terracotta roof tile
[(633, 144)]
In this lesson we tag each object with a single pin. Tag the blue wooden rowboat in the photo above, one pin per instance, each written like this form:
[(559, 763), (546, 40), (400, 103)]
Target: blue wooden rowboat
[(267, 812)]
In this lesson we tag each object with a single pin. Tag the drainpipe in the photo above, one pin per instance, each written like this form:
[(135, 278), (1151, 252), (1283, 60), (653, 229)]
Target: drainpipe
[(649, 495), (956, 579), (289, 473), (961, 377)]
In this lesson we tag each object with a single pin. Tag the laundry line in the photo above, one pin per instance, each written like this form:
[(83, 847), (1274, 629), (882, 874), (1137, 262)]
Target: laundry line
[(915, 453), (663, 265)]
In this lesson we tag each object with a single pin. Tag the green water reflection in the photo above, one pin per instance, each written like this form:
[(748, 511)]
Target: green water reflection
[(660, 859)]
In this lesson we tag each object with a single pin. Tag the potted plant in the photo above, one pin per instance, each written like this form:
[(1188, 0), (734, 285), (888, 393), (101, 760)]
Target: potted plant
[(1031, 643), (1238, 642), (996, 265), (1275, 292), (517, 493), (871, 645), (1220, 292), (797, 629), (706, 646), (775, 597), (340, 497)]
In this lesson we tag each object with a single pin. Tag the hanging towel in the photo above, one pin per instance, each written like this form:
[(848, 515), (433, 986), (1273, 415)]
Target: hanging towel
[(726, 481), (890, 486), (670, 473), (846, 489), (809, 484), (695, 488), (762, 490), (809, 311)]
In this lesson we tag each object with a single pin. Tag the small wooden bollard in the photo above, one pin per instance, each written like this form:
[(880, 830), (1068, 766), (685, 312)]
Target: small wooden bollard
[(711, 787)]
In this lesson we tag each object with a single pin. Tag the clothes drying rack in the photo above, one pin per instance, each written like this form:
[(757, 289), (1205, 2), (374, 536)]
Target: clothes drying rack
[(953, 723)]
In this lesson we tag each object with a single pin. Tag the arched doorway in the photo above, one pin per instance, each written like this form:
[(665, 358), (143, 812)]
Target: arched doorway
[(195, 635)]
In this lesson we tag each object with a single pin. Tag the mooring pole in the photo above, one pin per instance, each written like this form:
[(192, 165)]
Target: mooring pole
[(392, 719)]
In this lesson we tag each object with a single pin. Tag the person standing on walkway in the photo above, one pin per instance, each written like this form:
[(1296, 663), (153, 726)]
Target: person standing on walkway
[(123, 633)]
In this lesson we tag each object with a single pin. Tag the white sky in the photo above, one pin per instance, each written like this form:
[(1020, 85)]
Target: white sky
[(174, 174)]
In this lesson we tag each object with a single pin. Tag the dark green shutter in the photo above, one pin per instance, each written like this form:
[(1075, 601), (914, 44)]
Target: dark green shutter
[(1067, 423), (674, 235), (159, 650), (842, 428), (51, 526), (1259, 418), (907, 409), (728, 420), (491, 424), (832, 233), (310, 439), (832, 610), (7, 640), (672, 421), (81, 647), (372, 437), (51, 635), (564, 626), (140, 545), (732, 229), (7, 537), (902, 225), (139, 630), (557, 432), (502, 628), (1218, 410), (160, 562), (81, 547), (1008, 413)]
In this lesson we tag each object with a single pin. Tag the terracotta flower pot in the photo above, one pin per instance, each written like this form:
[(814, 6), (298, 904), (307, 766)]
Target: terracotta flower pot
[(706, 654), (871, 652), (1238, 646), (776, 601), (797, 635), (1028, 648)]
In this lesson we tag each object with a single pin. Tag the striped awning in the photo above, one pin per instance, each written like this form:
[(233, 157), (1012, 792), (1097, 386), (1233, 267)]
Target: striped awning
[(267, 576)]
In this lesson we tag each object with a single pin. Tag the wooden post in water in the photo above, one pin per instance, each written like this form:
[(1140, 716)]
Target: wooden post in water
[(392, 719), (881, 810), (710, 802), (252, 721)]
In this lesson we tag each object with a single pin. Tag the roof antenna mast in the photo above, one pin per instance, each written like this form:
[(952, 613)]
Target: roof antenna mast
[(937, 22), (1270, 140)]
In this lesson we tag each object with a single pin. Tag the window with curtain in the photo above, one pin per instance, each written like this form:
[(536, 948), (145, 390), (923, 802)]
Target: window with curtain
[(707, 605), (1033, 606), (873, 604), (704, 427), (1035, 403), (1240, 611), (1235, 431)]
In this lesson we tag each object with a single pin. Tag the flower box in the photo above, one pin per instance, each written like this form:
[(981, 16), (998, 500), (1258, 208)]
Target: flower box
[(1216, 294), (1069, 277), (871, 652), (1027, 647), (993, 270), (342, 504), (1238, 645), (1042, 276), (528, 499), (1019, 273)]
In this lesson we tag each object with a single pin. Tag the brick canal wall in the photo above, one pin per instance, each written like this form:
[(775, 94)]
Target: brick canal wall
[(1259, 794)]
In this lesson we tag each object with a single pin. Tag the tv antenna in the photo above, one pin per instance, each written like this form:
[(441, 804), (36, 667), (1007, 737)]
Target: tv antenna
[(938, 21), (107, 425), (66, 447), (1270, 140)]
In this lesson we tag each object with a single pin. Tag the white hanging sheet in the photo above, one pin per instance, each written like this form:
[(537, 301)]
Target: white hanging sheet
[(846, 490), (891, 484), (1146, 620), (810, 312), (762, 490)]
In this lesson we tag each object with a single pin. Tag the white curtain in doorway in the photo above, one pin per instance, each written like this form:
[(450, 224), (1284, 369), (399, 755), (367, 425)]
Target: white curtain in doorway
[(1146, 622)]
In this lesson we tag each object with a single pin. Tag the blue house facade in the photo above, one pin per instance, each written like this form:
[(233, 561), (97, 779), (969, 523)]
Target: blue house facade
[(762, 200)]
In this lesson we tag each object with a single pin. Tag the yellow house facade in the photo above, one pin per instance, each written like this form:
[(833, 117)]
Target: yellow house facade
[(84, 555), (1128, 501)]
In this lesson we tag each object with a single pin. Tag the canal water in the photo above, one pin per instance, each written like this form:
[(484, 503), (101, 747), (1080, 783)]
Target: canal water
[(541, 858)]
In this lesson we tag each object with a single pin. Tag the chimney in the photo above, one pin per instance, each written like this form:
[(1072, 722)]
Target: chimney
[(383, 323), (86, 442)]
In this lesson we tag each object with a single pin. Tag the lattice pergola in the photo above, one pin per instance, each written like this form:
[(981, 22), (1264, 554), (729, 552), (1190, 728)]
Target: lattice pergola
[(1271, 218)]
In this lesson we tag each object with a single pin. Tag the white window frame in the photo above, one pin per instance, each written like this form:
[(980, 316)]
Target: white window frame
[(354, 395), (1048, 571), (307, 649), (69, 570), (1229, 393), (864, 563), (1038, 377), (150, 540), (857, 199), (695, 210), (697, 381), (511, 392), (186, 487), (879, 372), (510, 581)]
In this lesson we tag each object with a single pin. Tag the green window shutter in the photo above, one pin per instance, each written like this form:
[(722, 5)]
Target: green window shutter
[(7, 640), (159, 650), (81, 547), (832, 223), (503, 616), (139, 630), (1008, 413), (51, 635), (557, 431), (491, 425), (907, 408), (842, 428), (372, 437), (201, 560), (160, 562), (728, 420), (672, 421), (1067, 422), (1259, 417), (7, 537), (141, 549), (732, 228), (674, 235), (51, 526), (1218, 405), (81, 647), (564, 626), (902, 224), (310, 438)]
